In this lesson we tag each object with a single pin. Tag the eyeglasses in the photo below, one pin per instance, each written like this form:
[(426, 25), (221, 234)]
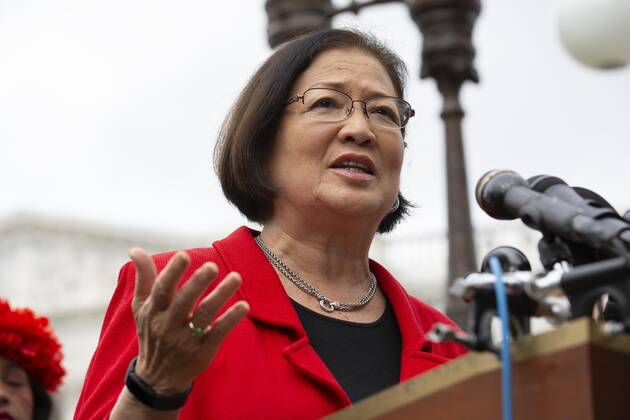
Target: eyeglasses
[(330, 105)]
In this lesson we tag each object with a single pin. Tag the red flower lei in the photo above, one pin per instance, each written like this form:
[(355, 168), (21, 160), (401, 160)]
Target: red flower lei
[(28, 340)]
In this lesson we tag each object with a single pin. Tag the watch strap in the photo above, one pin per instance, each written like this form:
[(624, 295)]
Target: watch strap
[(146, 395)]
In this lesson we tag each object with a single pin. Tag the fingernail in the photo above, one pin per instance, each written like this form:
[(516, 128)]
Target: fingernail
[(210, 268), (182, 257), (133, 251)]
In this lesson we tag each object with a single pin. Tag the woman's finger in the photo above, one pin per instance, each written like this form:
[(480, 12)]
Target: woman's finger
[(216, 332), (185, 299), (164, 286), (145, 274), (212, 303)]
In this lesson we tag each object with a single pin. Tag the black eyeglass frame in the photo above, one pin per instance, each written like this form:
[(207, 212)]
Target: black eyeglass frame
[(412, 112)]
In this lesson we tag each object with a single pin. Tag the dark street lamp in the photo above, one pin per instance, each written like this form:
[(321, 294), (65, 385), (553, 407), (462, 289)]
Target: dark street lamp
[(447, 56), (287, 19)]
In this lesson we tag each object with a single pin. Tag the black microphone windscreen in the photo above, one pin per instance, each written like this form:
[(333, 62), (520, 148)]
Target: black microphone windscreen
[(542, 183), (594, 199)]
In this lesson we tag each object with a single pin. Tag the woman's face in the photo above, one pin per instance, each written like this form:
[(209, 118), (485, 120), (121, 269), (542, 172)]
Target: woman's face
[(16, 398), (310, 161)]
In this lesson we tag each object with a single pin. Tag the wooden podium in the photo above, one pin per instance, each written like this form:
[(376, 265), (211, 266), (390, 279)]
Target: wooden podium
[(574, 372)]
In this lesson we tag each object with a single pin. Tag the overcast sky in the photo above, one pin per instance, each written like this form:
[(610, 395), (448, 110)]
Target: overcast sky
[(109, 110)]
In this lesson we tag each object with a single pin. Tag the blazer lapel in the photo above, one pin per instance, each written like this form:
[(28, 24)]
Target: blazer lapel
[(416, 354), (303, 357), (269, 304)]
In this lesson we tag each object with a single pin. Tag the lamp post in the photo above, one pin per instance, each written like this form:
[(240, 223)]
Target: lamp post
[(447, 56), (287, 19)]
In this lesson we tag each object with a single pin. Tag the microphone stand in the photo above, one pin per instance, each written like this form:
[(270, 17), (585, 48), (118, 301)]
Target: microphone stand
[(585, 251), (562, 293)]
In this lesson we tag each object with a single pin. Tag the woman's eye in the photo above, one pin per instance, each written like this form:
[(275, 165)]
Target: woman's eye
[(15, 383), (324, 103), (15, 378), (385, 112)]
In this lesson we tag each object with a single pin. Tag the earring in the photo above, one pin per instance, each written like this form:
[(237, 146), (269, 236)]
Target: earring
[(396, 205)]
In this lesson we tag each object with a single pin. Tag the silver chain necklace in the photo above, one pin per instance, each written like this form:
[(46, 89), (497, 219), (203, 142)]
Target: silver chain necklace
[(327, 304)]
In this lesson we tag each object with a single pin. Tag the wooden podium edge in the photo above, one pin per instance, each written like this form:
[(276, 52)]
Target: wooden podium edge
[(570, 335)]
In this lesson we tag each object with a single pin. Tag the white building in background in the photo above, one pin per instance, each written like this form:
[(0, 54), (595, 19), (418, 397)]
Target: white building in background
[(67, 270)]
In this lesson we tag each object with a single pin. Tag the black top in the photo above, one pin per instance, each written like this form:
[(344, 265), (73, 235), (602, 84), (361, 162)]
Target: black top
[(364, 358)]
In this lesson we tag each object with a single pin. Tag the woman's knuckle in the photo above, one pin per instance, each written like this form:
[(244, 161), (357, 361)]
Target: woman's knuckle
[(218, 331), (158, 294), (160, 328), (179, 300)]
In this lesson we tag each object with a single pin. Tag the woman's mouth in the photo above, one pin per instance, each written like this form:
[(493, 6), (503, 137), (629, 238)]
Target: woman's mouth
[(354, 166), (353, 173), (5, 416)]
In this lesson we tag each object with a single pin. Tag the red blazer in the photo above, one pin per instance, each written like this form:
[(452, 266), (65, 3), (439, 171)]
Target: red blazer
[(266, 367)]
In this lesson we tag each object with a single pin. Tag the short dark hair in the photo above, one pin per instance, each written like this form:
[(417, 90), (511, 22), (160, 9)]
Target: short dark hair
[(42, 403), (248, 132)]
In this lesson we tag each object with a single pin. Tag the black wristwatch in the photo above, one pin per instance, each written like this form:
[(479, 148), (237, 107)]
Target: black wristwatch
[(145, 394)]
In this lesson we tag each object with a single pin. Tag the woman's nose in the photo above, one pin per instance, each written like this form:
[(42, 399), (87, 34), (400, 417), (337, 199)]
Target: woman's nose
[(4, 396), (356, 127)]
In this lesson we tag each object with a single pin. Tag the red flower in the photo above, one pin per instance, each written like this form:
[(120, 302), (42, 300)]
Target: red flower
[(28, 340)]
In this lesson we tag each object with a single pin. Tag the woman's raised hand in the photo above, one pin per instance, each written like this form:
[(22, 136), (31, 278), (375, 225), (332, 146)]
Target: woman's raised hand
[(176, 340)]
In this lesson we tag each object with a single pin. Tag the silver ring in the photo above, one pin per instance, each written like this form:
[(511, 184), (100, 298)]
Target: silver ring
[(195, 331)]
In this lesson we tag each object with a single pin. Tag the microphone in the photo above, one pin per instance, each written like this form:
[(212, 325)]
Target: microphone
[(552, 248), (592, 203), (505, 195), (510, 258)]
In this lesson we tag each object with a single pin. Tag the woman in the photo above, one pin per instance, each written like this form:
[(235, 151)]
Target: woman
[(312, 150), (30, 364)]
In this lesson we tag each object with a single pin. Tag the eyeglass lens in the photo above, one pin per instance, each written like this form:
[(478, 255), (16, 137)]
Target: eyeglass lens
[(328, 105)]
